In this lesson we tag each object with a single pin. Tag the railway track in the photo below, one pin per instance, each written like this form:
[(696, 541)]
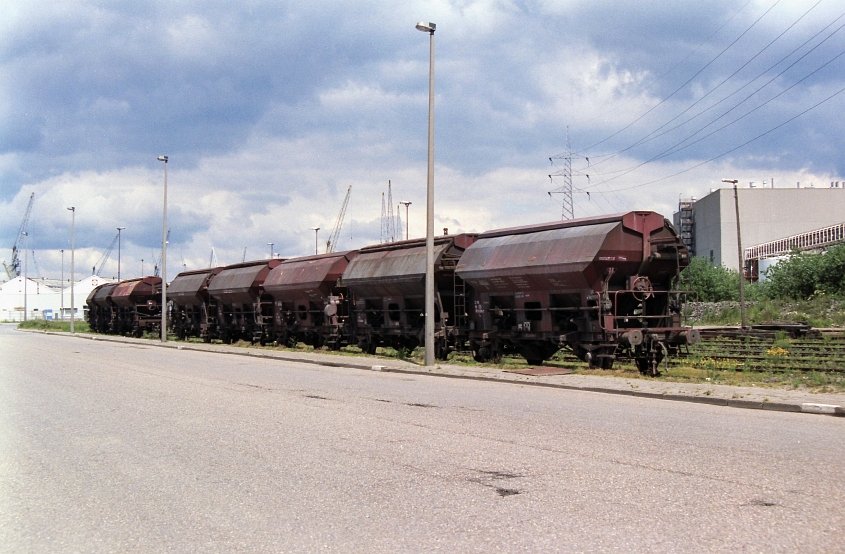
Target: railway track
[(769, 350)]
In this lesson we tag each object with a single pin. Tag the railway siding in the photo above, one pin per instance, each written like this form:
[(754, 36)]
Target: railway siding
[(770, 351)]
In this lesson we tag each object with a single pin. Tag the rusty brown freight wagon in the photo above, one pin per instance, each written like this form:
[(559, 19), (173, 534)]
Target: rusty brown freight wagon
[(600, 286), (309, 305), (387, 283), (100, 309), (138, 306), (244, 312), (194, 312)]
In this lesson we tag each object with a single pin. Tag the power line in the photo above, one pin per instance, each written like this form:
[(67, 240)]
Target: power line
[(688, 81), (723, 154), (680, 145), (650, 136)]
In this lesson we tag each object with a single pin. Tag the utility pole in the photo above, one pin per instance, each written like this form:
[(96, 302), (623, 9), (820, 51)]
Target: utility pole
[(742, 315)]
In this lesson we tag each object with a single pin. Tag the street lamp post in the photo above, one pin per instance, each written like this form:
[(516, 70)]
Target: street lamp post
[(742, 315), (270, 244), (427, 27), (316, 244), (62, 288), (164, 159), (119, 229), (25, 258), (406, 204), (72, 268)]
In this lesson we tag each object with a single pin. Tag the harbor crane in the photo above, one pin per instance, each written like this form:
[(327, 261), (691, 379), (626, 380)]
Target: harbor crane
[(332, 242), (98, 268), (14, 269)]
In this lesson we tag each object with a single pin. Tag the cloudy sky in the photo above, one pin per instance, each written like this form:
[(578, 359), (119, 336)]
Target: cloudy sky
[(270, 110)]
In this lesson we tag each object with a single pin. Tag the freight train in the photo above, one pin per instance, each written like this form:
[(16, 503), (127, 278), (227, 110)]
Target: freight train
[(602, 287)]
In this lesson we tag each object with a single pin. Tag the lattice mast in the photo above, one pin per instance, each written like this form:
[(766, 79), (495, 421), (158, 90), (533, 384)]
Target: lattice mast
[(388, 222), (567, 209)]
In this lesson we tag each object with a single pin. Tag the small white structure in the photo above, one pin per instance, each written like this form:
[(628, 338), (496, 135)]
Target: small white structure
[(41, 301)]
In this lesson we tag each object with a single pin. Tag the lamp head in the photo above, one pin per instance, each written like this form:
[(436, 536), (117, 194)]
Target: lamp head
[(426, 27), (162, 158)]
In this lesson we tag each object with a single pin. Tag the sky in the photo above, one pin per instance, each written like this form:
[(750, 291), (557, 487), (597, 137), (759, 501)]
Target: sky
[(269, 111)]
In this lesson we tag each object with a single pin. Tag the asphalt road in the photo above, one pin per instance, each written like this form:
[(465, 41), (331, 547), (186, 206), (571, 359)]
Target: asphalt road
[(134, 448)]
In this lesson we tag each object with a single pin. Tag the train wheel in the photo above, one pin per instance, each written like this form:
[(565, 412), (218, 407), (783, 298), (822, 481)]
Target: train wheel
[(480, 354), (650, 364), (368, 347)]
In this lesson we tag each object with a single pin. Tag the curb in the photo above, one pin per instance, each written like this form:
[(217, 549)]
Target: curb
[(833, 410), (808, 408)]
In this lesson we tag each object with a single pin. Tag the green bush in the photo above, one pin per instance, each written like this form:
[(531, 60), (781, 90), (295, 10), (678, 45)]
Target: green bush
[(803, 275), (709, 283)]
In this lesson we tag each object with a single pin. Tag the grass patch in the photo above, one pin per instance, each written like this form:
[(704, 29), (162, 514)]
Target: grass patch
[(45, 325)]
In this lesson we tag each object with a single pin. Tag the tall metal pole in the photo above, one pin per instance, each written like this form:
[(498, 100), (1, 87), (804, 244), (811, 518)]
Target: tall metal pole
[(316, 243), (164, 256), (62, 288), (119, 229), (429, 28), (72, 268), (742, 315), (406, 204), (270, 244), (25, 258)]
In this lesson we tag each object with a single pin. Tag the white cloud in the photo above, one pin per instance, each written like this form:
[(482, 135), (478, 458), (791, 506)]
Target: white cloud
[(270, 111)]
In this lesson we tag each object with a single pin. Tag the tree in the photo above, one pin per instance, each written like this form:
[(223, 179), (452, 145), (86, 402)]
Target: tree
[(709, 283), (832, 271)]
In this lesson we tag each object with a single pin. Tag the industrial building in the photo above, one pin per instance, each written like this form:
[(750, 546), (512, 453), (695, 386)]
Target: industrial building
[(773, 221), (23, 298)]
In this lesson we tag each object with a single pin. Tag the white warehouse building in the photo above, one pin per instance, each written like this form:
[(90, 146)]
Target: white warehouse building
[(40, 301), (708, 226)]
